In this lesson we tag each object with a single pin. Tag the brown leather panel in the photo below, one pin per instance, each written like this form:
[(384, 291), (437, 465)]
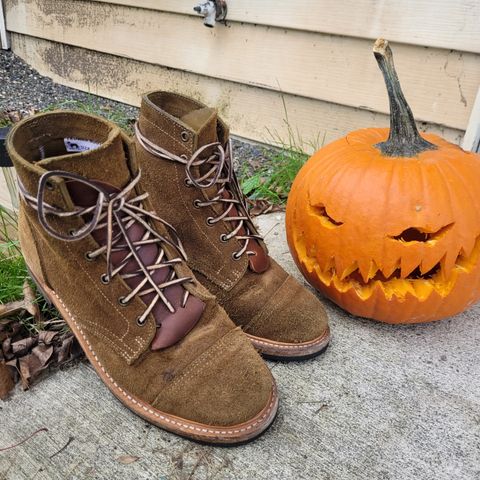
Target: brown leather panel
[(171, 327)]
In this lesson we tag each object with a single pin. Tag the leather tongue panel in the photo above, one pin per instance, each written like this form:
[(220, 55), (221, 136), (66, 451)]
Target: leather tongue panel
[(204, 122)]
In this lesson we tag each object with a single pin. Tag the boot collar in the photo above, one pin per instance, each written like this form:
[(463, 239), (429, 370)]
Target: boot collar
[(73, 142), (169, 119)]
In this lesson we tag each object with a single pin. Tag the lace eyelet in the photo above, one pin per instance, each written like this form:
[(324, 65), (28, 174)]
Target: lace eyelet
[(236, 257), (122, 302), (224, 238), (140, 322), (210, 221), (104, 279), (185, 136), (71, 232), (88, 257), (188, 182), (196, 203), (49, 185)]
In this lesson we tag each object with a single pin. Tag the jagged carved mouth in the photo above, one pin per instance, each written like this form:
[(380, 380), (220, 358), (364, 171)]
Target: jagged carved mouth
[(418, 284)]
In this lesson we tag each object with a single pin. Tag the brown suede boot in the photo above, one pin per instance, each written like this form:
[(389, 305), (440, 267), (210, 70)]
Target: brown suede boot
[(116, 272), (185, 154)]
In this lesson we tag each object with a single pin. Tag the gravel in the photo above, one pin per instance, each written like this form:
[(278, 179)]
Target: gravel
[(24, 90)]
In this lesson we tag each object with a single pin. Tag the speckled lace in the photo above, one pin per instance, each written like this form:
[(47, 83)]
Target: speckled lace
[(220, 173), (116, 210)]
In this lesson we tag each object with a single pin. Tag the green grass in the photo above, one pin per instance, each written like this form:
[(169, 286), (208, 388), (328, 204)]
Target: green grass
[(13, 270), (273, 180), (4, 121), (94, 106), (13, 273)]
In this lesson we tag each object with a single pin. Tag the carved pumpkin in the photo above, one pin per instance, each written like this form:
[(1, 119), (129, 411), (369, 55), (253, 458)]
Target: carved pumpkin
[(386, 222)]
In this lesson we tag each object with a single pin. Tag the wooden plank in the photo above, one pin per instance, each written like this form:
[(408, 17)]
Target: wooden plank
[(252, 112), (7, 188), (440, 23), (4, 43), (471, 141), (439, 84)]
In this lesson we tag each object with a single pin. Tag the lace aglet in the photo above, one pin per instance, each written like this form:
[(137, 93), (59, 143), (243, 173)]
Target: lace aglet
[(185, 298)]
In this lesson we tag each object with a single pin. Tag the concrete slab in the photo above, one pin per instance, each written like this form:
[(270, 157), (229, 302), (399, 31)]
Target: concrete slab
[(384, 402)]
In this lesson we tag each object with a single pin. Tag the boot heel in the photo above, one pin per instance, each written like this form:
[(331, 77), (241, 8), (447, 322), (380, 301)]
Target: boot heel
[(39, 288)]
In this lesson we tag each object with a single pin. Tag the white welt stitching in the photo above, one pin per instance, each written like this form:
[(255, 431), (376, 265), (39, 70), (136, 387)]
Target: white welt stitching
[(278, 345), (162, 417)]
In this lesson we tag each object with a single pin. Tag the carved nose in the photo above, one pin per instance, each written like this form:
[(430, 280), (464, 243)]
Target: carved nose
[(197, 9)]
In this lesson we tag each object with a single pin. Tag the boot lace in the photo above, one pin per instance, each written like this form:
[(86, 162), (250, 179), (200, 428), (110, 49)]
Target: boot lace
[(218, 173), (117, 212)]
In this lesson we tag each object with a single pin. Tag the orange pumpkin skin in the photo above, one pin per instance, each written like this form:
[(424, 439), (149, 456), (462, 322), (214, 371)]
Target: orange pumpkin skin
[(396, 239)]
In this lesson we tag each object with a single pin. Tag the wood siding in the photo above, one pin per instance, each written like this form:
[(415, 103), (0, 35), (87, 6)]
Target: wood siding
[(312, 56)]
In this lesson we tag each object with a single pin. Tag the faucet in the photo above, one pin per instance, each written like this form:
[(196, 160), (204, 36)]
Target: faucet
[(212, 11)]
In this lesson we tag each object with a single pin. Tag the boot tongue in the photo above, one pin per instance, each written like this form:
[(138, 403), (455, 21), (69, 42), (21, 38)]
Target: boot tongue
[(103, 161), (204, 123)]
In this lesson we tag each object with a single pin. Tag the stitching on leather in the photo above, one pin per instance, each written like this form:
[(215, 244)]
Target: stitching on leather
[(95, 325), (31, 228), (292, 346), (236, 273), (94, 283), (183, 145), (182, 426), (125, 345), (200, 363), (109, 342), (190, 213), (269, 307)]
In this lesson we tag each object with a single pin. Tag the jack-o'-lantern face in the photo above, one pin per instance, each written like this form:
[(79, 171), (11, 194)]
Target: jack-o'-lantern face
[(387, 222), (391, 239)]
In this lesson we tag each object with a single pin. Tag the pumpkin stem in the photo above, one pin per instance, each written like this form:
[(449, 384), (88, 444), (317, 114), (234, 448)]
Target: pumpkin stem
[(404, 139)]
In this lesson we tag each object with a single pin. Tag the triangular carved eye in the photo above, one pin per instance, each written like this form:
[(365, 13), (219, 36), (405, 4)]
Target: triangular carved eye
[(327, 220), (414, 234)]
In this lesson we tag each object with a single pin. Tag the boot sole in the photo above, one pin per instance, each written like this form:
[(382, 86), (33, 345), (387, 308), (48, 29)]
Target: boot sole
[(291, 351), (208, 434)]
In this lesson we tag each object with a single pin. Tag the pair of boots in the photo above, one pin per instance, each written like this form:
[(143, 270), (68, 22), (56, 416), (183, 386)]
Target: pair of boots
[(146, 248)]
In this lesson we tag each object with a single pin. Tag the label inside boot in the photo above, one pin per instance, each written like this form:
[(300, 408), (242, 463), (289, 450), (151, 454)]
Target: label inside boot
[(76, 145)]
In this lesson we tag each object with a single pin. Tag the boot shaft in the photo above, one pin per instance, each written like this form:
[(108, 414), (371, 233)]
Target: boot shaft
[(185, 149), (85, 221)]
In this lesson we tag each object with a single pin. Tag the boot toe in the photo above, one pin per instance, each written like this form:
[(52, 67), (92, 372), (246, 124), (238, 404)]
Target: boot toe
[(292, 324), (228, 386)]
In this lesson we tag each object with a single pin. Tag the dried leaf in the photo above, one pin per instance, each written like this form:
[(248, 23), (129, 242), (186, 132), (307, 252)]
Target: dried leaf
[(30, 301), (63, 351), (6, 381), (261, 207), (11, 308), (43, 353), (14, 116), (24, 345), (46, 337), (14, 370), (127, 459), (26, 363), (6, 348), (4, 322)]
